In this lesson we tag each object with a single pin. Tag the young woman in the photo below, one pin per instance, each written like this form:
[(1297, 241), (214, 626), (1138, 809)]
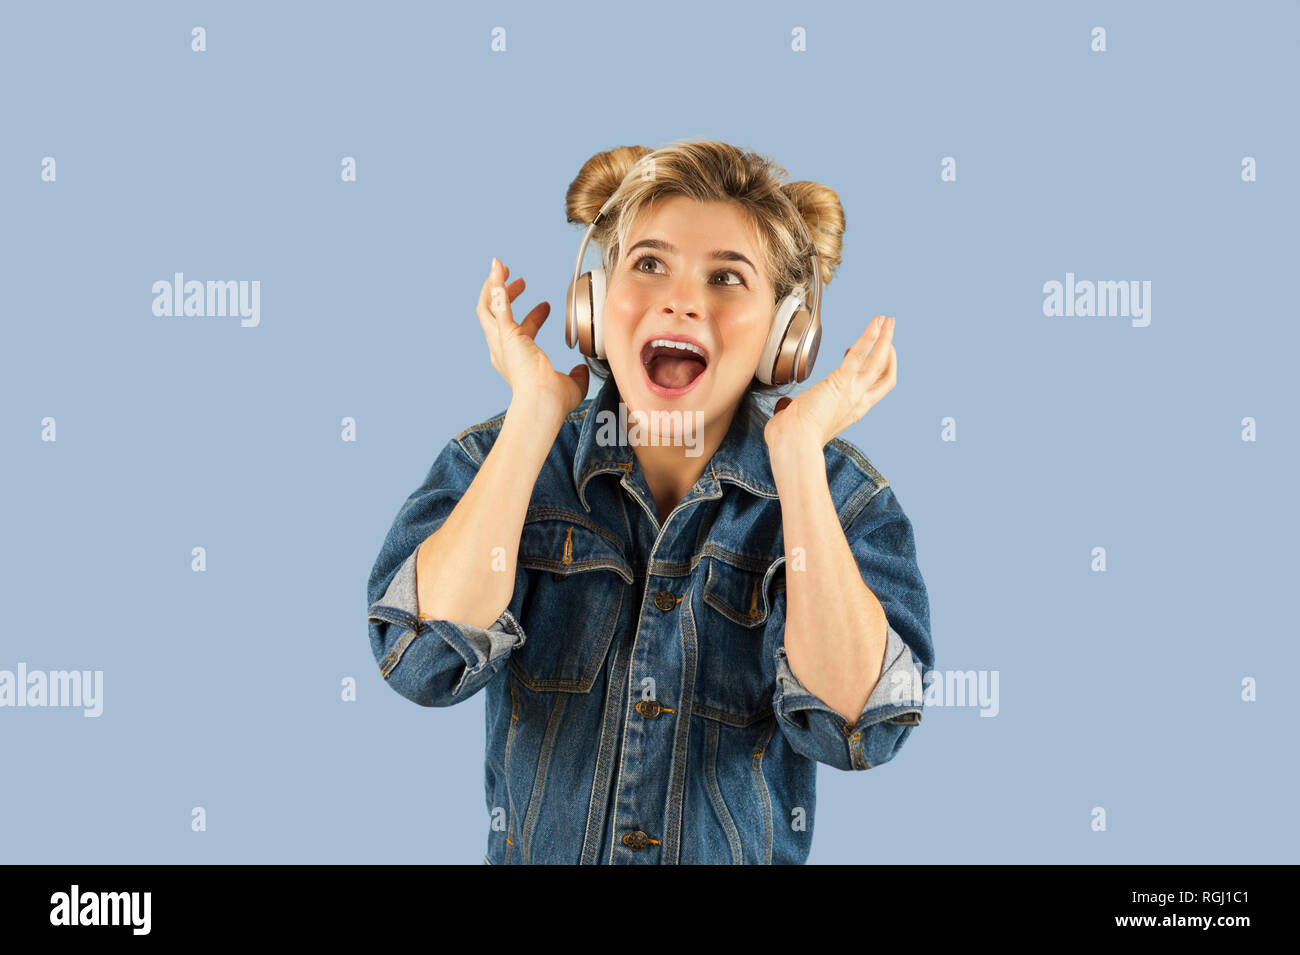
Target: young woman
[(673, 624)]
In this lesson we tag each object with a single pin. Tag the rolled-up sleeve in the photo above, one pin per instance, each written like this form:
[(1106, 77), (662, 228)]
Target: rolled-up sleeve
[(881, 540), (821, 733), (432, 662)]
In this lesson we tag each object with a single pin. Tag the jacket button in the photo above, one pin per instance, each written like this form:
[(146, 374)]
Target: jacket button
[(636, 840), (649, 708), (665, 600)]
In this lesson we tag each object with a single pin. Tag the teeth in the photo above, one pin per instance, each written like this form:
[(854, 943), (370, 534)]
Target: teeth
[(684, 346)]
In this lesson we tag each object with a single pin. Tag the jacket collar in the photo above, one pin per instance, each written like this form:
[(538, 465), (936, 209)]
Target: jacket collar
[(741, 458)]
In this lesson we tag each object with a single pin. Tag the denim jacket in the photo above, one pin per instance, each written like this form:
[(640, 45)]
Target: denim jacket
[(639, 704)]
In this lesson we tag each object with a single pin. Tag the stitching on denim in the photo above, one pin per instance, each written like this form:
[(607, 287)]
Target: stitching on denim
[(452, 636), (396, 615), (593, 470), (753, 564), (896, 721), (864, 497), (395, 654), (855, 504), (731, 719), (514, 628), (795, 701), (860, 459), (510, 738), (536, 514), (682, 735), (891, 714), (856, 754), (541, 563), (605, 755), (757, 764), (715, 791), (670, 568), (714, 598), (489, 425), (749, 484), (539, 780), (717, 603)]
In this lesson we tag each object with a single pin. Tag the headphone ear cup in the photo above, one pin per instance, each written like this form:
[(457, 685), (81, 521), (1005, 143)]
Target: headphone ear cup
[(598, 312), (791, 347), (769, 371), (808, 330), (583, 305)]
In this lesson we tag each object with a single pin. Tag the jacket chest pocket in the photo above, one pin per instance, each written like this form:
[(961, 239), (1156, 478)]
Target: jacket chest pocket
[(575, 600), (736, 680)]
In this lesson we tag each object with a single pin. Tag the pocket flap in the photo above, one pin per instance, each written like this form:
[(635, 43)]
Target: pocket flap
[(566, 543), (741, 589)]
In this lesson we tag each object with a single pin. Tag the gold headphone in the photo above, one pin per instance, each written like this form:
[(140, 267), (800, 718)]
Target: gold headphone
[(791, 346)]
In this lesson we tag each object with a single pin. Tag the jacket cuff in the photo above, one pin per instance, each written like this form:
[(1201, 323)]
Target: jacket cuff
[(819, 731), (478, 647)]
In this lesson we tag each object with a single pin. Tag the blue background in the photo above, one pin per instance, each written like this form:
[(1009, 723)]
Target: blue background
[(221, 689)]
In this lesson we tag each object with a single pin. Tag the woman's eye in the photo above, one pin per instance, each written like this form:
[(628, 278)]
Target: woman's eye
[(636, 267)]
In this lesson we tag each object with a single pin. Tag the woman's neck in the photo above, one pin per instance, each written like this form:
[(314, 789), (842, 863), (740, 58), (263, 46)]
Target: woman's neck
[(670, 472)]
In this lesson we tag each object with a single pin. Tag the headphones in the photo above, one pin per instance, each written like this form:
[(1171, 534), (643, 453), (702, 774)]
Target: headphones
[(791, 346)]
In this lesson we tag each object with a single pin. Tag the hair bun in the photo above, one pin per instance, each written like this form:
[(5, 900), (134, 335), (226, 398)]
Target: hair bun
[(819, 207), (598, 179)]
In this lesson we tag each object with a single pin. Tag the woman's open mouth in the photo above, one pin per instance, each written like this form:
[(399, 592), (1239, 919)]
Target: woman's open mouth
[(672, 368)]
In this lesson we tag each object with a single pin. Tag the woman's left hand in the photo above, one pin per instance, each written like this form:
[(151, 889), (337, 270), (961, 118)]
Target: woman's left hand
[(865, 376)]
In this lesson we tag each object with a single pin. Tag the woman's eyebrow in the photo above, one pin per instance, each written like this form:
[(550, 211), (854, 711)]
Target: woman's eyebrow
[(726, 255)]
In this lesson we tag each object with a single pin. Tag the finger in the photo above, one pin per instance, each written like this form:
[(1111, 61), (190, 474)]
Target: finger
[(886, 381), (496, 315), (876, 368), (495, 297), (506, 295), (857, 352), (499, 303), (581, 375), (483, 308), (487, 321), (867, 359), (533, 320), (490, 302)]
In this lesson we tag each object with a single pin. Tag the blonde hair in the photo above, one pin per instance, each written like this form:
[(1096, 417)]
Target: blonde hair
[(710, 171)]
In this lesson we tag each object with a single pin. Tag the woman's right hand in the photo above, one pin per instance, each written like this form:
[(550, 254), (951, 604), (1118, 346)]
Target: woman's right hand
[(517, 356)]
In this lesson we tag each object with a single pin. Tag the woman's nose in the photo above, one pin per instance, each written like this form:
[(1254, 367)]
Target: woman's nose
[(682, 300)]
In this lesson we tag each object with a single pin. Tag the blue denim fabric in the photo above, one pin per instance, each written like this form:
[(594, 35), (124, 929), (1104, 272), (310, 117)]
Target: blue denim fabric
[(640, 708)]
